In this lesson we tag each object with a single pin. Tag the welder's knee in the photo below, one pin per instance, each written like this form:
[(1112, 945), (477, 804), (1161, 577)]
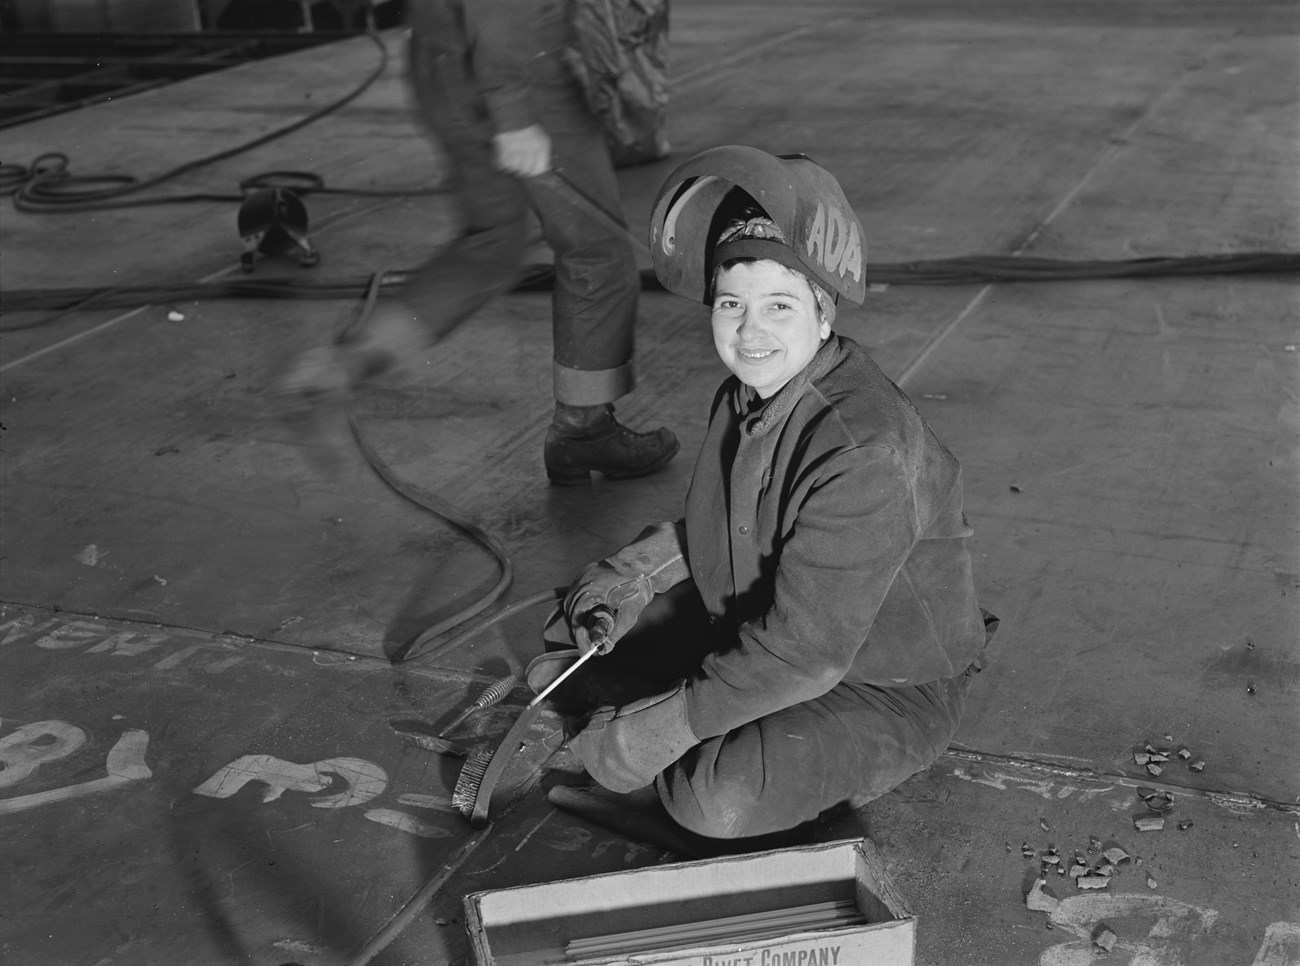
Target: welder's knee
[(719, 811)]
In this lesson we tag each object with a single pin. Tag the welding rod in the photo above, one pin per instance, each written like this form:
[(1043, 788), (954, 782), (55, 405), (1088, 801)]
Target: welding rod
[(600, 622), (770, 924)]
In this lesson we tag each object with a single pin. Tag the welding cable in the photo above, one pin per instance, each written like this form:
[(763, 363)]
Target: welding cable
[(436, 505), (89, 302), (971, 270), (421, 646), (986, 269), (238, 287), (47, 186)]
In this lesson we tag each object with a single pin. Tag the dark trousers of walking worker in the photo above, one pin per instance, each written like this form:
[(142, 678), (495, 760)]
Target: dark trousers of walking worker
[(479, 70)]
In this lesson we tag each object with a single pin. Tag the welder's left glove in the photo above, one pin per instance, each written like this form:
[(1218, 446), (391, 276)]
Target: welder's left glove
[(625, 748)]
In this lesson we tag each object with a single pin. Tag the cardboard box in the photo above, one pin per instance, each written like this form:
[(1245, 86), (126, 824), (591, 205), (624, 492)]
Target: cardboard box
[(532, 925)]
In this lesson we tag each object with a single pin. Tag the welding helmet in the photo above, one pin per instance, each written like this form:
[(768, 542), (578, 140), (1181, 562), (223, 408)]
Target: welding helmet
[(818, 233)]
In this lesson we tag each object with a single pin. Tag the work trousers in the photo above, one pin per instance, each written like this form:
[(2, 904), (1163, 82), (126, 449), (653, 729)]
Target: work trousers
[(850, 745), (597, 283)]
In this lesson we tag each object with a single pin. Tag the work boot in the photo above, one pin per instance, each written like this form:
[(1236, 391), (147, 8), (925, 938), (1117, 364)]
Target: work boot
[(586, 438)]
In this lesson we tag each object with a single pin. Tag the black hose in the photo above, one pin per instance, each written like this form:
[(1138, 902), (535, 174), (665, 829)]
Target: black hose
[(423, 644), (972, 270), (47, 185)]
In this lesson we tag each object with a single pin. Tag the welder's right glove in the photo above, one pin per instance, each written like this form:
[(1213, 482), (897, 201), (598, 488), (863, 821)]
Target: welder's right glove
[(623, 584)]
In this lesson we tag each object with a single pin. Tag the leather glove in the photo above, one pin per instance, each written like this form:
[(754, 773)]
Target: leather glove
[(625, 748), (620, 586)]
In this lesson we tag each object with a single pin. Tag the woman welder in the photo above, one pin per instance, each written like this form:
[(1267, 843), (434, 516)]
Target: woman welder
[(805, 635)]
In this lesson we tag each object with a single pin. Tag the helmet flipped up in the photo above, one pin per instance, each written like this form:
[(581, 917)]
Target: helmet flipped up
[(801, 197)]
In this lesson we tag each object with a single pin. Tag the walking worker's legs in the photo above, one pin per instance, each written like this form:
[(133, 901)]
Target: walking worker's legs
[(484, 260), (469, 271), (853, 744), (597, 284), (594, 303)]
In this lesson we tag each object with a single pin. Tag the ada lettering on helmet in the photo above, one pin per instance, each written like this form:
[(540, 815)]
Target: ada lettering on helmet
[(834, 241)]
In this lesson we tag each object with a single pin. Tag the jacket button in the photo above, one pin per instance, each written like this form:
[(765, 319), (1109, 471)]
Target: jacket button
[(743, 529)]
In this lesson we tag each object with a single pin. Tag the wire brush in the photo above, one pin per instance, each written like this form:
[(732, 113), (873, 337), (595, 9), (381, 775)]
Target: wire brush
[(470, 780)]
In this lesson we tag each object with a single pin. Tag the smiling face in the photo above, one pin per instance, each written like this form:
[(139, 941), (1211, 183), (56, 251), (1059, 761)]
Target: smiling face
[(766, 325)]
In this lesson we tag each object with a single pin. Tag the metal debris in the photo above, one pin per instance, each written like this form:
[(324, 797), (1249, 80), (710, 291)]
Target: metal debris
[(1149, 823), (1104, 938), (1106, 864), (1156, 801), (1042, 823), (1041, 898), (1197, 765), (1151, 883), (1184, 826), (1153, 768), (1115, 853), (1027, 851), (1184, 754)]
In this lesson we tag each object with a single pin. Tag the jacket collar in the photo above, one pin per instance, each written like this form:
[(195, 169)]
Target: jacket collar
[(759, 415)]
